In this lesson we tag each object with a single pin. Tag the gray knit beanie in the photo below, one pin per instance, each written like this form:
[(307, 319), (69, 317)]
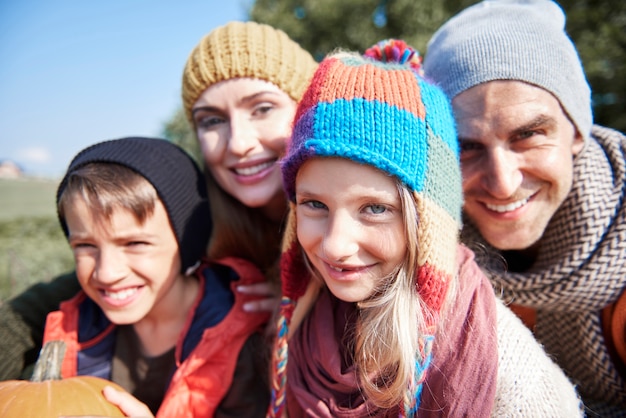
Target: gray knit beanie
[(522, 40), (176, 178)]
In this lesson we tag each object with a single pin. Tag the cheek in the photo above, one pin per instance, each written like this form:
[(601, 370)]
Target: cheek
[(556, 166), (394, 252), (276, 142), (277, 132), (390, 244), (308, 234), (469, 172), (84, 267), (212, 146)]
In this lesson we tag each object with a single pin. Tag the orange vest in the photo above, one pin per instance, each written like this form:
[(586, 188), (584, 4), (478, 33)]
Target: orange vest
[(202, 380)]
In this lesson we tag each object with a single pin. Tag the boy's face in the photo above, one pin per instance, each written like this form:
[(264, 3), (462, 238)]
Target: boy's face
[(131, 270), (350, 225)]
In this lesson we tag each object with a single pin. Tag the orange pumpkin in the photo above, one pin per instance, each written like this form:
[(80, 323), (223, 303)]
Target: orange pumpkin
[(47, 395)]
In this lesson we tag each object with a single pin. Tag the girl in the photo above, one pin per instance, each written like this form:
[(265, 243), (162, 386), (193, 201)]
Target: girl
[(383, 312)]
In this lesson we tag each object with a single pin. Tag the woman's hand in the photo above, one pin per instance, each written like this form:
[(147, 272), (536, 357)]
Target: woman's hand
[(269, 303)]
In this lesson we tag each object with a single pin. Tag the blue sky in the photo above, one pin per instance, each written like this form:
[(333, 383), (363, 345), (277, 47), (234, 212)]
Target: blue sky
[(73, 73)]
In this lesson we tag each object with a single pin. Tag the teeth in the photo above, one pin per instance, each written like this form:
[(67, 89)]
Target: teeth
[(335, 268), (250, 171), (122, 294), (507, 208)]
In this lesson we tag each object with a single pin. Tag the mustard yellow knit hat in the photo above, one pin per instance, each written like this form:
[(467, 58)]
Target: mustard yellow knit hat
[(246, 49)]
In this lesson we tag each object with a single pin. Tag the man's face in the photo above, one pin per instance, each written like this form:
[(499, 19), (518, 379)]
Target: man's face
[(517, 152)]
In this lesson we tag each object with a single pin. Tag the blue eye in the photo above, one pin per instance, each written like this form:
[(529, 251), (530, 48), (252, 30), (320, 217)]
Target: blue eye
[(315, 204), (377, 209)]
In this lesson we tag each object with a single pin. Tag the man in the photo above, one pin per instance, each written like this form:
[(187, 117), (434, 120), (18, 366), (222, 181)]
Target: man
[(544, 188)]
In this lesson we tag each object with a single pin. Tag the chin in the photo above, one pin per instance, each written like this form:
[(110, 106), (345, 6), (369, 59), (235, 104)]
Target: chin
[(517, 242)]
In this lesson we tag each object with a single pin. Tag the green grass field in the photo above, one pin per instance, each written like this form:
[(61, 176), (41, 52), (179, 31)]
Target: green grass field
[(32, 245), (27, 197)]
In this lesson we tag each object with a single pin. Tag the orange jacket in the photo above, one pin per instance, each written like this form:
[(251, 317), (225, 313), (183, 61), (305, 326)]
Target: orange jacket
[(205, 375)]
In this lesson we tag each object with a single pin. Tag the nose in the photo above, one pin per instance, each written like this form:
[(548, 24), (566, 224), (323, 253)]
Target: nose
[(243, 136), (110, 266), (502, 175), (341, 239)]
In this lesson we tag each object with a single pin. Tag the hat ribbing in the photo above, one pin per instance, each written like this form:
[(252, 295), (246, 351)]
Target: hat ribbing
[(246, 49), (175, 176), (523, 40)]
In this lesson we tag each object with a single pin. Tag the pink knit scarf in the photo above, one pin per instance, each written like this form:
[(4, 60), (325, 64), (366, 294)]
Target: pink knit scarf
[(461, 381)]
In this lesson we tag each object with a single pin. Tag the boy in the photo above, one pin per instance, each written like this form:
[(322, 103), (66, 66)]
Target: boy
[(150, 316)]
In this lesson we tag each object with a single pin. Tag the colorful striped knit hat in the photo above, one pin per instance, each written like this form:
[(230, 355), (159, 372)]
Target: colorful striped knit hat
[(246, 49), (378, 110)]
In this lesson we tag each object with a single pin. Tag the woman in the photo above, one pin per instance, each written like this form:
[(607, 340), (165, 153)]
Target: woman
[(241, 85)]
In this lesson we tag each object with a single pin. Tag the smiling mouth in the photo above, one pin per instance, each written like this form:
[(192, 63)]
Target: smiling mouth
[(122, 294), (507, 208), (251, 171)]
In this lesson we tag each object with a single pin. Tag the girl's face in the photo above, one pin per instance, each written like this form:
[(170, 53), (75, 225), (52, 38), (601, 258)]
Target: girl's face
[(350, 225), (243, 125)]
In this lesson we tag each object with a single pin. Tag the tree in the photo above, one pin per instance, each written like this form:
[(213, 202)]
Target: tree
[(320, 26), (598, 28)]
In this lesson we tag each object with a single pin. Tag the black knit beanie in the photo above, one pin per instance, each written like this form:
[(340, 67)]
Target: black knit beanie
[(176, 178)]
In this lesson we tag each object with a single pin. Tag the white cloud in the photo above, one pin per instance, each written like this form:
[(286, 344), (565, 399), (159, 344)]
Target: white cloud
[(34, 155)]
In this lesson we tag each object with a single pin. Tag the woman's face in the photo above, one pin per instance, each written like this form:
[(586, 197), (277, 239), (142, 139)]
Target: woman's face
[(243, 125), (349, 224)]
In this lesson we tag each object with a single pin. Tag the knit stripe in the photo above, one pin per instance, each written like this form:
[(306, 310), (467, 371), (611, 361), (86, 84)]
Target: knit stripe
[(371, 140), (437, 233), (370, 82), (439, 116), (432, 286), (443, 165), (311, 95)]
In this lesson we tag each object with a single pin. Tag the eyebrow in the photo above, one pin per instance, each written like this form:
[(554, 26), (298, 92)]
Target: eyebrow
[(537, 122), (245, 99)]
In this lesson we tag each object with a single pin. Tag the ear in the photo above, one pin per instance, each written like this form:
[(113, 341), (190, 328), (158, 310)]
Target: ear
[(578, 144)]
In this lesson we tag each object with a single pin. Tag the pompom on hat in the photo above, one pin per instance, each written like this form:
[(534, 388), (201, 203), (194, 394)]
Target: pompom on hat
[(176, 178), (377, 110), (522, 40), (246, 49)]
